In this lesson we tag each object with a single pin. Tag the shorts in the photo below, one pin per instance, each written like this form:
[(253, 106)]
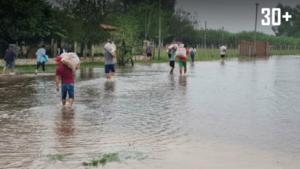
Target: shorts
[(222, 56), (40, 64), (172, 64), (182, 63), (149, 54), (109, 68), (67, 88), (10, 64)]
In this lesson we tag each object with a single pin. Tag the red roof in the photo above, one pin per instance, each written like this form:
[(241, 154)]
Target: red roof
[(109, 27)]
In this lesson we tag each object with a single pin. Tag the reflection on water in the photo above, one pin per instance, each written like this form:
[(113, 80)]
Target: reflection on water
[(244, 113), (65, 123)]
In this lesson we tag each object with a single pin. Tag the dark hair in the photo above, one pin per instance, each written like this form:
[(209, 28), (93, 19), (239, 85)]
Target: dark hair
[(43, 46), (11, 46), (185, 45), (192, 46)]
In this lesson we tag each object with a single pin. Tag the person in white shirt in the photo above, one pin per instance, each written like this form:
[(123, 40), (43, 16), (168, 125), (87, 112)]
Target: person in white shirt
[(223, 52), (192, 52), (39, 54)]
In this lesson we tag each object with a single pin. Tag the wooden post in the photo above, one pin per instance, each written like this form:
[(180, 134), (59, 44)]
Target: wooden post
[(212, 50), (197, 51), (54, 49), (153, 54), (134, 50), (280, 49), (92, 52), (75, 47)]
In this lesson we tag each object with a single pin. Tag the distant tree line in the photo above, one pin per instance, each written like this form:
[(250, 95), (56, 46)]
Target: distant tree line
[(32, 21)]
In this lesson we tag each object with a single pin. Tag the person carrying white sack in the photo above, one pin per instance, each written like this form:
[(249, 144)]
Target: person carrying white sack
[(223, 52), (182, 53), (109, 55), (67, 80)]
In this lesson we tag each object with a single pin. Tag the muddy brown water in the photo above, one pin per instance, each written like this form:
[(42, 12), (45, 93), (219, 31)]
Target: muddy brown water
[(241, 114)]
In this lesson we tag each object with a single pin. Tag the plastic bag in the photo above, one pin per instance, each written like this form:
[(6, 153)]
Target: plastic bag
[(70, 59), (181, 52), (45, 58)]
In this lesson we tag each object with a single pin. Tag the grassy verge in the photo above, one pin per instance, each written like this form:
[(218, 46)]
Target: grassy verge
[(201, 55)]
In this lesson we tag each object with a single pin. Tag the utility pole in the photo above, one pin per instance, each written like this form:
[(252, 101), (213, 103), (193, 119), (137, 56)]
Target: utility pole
[(222, 35), (254, 48), (205, 36), (159, 38)]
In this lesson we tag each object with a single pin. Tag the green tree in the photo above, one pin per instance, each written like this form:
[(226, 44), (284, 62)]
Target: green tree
[(27, 22), (183, 26), (292, 27), (83, 19), (166, 5)]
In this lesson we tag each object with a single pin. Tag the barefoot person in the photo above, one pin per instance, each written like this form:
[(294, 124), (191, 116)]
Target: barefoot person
[(67, 81), (39, 54), (182, 62), (223, 53), (9, 59), (172, 59), (149, 52), (109, 64)]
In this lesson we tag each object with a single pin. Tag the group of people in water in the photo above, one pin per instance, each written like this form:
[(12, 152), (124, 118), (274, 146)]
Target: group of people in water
[(181, 60), (65, 73)]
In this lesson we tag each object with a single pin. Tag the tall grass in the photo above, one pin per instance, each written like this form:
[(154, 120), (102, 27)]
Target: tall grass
[(215, 37)]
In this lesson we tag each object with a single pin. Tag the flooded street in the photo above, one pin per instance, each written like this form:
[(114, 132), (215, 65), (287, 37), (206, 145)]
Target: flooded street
[(241, 114)]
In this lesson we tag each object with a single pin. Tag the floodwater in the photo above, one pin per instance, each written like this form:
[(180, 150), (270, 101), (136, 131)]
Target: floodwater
[(241, 114)]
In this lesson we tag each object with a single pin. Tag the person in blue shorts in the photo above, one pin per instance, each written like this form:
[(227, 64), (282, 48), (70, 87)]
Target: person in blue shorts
[(109, 64)]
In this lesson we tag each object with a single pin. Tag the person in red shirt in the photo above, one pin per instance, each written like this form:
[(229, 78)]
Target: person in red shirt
[(182, 62), (67, 81)]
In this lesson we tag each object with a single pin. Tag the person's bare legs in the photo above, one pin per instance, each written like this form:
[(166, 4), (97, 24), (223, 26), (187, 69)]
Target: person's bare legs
[(63, 102), (35, 71), (223, 59), (112, 74), (13, 70), (43, 65), (185, 70), (3, 70), (180, 70), (171, 71), (108, 76), (71, 102)]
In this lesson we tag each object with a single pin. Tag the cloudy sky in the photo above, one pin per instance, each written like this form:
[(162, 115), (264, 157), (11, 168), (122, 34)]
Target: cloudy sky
[(234, 15)]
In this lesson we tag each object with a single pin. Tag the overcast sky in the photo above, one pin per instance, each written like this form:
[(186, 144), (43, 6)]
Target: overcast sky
[(234, 15)]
